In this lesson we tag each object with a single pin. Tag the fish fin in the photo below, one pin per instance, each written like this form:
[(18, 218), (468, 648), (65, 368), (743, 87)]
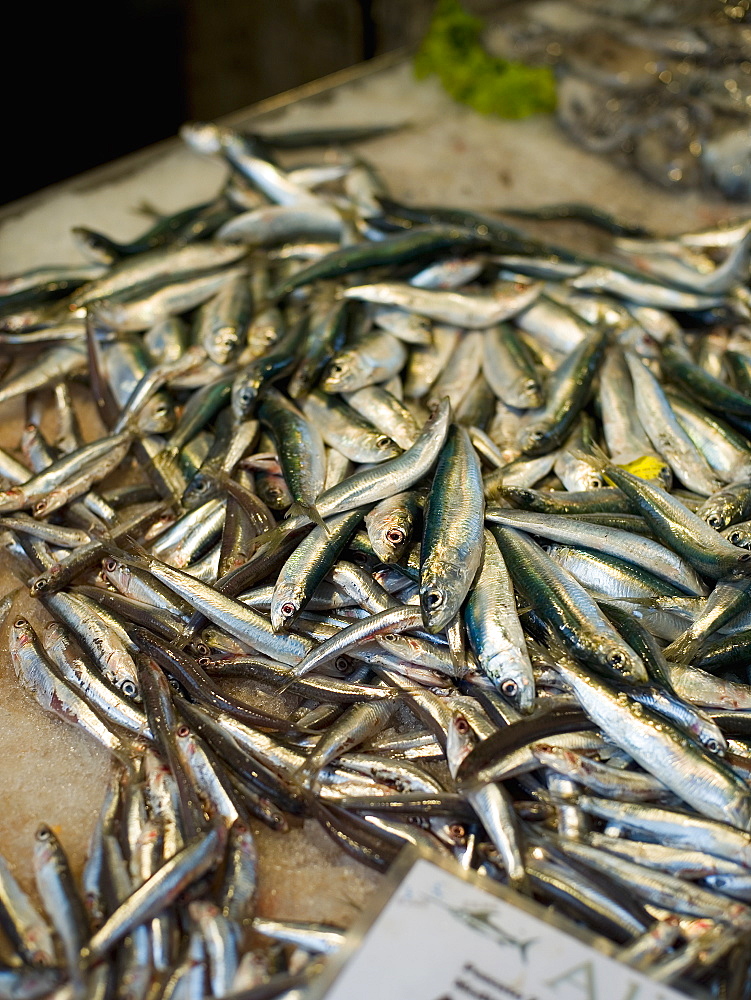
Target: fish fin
[(644, 602), (308, 510)]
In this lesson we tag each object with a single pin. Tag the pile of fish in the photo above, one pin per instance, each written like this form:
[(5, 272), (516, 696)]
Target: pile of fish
[(399, 520)]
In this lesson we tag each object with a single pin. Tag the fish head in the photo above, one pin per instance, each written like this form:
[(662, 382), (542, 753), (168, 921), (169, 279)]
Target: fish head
[(157, 416), (512, 675), (386, 447), (529, 391), (438, 590), (55, 633), (273, 491), (46, 581), (711, 737), (738, 811), (739, 535), (224, 345), (286, 605), (718, 512), (390, 540), (620, 660), (200, 489), (245, 393), (21, 633), (47, 504), (535, 440), (44, 846), (118, 573), (398, 644), (459, 741), (185, 740), (129, 689), (262, 333), (343, 372)]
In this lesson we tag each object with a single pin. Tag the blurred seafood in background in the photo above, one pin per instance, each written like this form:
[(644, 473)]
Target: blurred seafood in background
[(664, 87)]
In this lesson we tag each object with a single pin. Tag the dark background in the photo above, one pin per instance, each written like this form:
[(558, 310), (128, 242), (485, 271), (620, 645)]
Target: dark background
[(87, 82)]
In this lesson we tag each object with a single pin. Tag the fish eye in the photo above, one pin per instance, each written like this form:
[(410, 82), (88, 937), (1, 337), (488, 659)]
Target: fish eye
[(456, 831), (342, 664), (20, 622), (395, 535), (714, 521), (595, 483), (433, 599), (336, 369), (536, 436), (391, 637), (43, 833), (712, 745), (745, 557), (461, 725), (110, 565), (735, 537), (183, 731), (383, 441), (129, 689), (617, 660), (510, 688), (161, 410), (288, 609), (530, 385)]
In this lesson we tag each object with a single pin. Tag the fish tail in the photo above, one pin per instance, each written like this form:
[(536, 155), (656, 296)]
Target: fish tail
[(683, 649), (523, 945), (134, 555), (294, 674), (309, 510), (594, 457), (307, 775), (271, 539)]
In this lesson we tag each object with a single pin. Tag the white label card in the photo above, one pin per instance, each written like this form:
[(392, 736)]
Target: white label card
[(442, 937)]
